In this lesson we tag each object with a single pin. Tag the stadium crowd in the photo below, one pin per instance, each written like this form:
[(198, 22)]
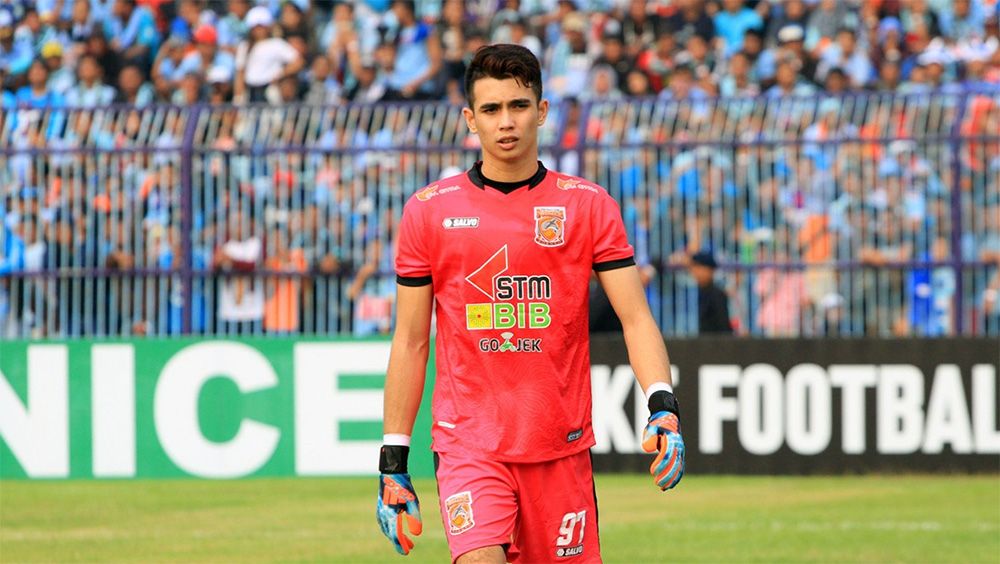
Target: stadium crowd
[(87, 53), (665, 81)]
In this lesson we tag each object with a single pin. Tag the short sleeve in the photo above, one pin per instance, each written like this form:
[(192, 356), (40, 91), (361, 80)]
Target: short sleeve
[(611, 247), (413, 266)]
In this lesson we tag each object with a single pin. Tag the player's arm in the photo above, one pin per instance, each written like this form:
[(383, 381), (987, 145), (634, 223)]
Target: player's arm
[(646, 351), (648, 356), (404, 381), (404, 385)]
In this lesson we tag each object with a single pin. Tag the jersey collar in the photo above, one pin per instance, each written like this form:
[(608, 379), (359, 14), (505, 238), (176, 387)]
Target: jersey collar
[(476, 177)]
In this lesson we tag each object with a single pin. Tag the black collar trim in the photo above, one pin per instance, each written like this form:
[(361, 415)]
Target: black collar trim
[(476, 177)]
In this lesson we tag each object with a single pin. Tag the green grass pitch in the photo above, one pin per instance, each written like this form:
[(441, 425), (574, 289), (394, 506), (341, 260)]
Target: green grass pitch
[(946, 518)]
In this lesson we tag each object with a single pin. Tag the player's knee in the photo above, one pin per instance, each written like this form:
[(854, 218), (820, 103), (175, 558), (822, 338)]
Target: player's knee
[(486, 555)]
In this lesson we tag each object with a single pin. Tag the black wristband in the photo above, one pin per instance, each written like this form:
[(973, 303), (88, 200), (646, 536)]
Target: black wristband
[(663, 400), (392, 459)]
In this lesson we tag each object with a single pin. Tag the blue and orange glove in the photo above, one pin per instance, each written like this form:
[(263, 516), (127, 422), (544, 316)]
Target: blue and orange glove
[(663, 436), (397, 500)]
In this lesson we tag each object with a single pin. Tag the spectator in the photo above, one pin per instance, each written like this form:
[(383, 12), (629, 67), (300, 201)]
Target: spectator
[(737, 81), (846, 55), (90, 90), (323, 86), (37, 93), (603, 85), (368, 88), (639, 28), (713, 303), (569, 60), (133, 88), (372, 293), (206, 54), (822, 24), (61, 77), (418, 56), (965, 20), (637, 84), (613, 53), (733, 21), (190, 91), (788, 81), (781, 291), (792, 13), (658, 61), (519, 35), (15, 53), (241, 295), (133, 32), (451, 36), (108, 60), (689, 19), (231, 26), (263, 60), (281, 308)]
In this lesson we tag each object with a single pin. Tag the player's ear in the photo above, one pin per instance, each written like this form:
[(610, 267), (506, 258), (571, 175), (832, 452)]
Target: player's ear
[(543, 111), (470, 119)]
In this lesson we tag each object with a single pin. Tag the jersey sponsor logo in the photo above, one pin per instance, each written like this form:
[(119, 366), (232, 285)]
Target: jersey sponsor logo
[(517, 301), (459, 508), (574, 184), (434, 190), (550, 226), (505, 315), (507, 343), (483, 277), (574, 435), (460, 223)]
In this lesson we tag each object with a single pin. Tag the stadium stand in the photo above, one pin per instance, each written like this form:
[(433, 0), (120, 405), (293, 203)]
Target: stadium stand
[(238, 167)]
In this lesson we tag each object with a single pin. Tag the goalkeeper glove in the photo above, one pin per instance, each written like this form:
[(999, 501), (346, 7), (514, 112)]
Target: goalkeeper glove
[(397, 500), (663, 436)]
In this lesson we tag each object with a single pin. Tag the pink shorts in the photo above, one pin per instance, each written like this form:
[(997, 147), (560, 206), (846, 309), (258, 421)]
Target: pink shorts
[(539, 512)]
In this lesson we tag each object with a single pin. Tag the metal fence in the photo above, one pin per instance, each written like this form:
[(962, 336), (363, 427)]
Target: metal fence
[(862, 215)]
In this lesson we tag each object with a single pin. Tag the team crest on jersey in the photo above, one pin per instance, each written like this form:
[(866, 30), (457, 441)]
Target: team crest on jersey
[(550, 226), (459, 507)]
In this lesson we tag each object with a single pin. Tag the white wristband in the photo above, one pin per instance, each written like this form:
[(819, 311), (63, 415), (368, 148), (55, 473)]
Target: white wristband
[(658, 386), (396, 439)]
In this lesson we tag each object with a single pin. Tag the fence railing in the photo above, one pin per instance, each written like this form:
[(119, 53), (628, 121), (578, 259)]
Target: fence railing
[(863, 215)]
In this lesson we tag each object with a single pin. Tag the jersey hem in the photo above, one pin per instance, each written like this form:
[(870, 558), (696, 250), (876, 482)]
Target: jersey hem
[(516, 459)]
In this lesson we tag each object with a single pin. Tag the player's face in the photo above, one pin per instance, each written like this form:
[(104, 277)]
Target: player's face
[(506, 117)]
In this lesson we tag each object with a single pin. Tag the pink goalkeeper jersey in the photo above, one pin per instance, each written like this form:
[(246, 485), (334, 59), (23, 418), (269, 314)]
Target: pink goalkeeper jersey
[(511, 277)]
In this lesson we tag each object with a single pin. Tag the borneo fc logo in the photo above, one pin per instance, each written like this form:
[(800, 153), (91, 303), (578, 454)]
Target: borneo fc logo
[(550, 226)]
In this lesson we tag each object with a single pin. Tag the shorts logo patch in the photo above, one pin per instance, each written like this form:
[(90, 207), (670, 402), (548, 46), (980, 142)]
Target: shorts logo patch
[(550, 226), (459, 508)]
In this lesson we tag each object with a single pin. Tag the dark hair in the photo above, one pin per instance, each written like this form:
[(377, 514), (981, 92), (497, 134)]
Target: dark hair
[(501, 61)]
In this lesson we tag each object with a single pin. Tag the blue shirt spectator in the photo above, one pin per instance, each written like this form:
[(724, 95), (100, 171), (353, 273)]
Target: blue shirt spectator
[(132, 29), (733, 21)]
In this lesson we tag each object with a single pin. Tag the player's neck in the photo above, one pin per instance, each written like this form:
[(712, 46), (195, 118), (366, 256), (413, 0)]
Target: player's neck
[(514, 172)]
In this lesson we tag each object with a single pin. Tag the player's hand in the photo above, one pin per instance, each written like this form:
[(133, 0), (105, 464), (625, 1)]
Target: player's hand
[(397, 500), (663, 436)]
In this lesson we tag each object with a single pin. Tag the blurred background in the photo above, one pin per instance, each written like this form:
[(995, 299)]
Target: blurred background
[(199, 202), (206, 167)]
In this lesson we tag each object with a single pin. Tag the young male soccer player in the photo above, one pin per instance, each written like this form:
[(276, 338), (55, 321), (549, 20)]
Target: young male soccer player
[(505, 251)]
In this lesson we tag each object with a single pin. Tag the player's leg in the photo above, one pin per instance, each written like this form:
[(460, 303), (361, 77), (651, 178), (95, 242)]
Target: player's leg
[(487, 555), (557, 512), (478, 507)]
